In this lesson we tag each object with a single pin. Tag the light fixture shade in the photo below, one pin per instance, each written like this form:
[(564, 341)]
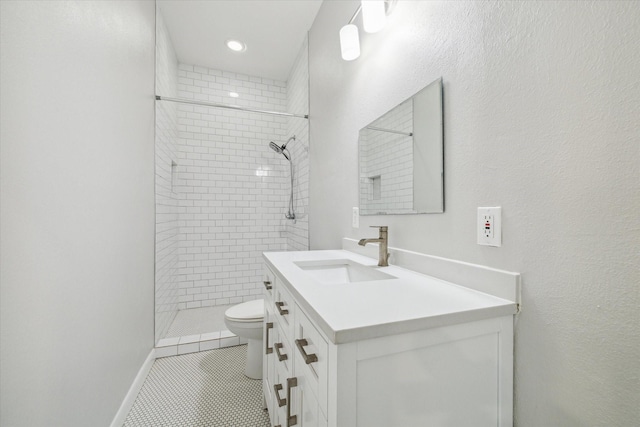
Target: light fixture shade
[(374, 15), (349, 42)]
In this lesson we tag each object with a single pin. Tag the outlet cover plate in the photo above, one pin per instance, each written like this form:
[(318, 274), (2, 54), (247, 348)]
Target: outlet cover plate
[(490, 226)]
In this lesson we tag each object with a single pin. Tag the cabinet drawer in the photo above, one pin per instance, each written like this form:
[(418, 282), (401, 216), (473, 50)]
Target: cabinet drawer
[(311, 354), (284, 310), (283, 352)]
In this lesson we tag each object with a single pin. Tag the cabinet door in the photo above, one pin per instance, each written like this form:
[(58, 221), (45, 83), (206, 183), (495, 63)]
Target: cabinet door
[(270, 331), (281, 396), (311, 358), (305, 406)]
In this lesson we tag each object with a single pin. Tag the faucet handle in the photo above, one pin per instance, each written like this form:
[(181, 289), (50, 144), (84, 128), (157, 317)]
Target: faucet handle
[(381, 227)]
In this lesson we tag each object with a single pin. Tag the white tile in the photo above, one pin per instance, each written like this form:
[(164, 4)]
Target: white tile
[(166, 351), (210, 336), (229, 342), (188, 339), (223, 178), (209, 344), (189, 348), (168, 342), (226, 334)]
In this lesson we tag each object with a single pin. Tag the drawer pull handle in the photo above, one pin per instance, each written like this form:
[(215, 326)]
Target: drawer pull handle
[(281, 356), (308, 358), (277, 388), (267, 285), (282, 311), (267, 349), (291, 419)]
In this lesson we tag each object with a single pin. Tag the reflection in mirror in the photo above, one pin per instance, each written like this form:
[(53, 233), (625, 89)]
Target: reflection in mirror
[(401, 157)]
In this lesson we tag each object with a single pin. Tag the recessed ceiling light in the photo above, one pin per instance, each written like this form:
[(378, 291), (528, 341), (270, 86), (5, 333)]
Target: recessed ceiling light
[(236, 45), (234, 94)]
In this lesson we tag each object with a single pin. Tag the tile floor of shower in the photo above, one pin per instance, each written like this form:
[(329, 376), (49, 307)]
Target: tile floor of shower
[(197, 329)]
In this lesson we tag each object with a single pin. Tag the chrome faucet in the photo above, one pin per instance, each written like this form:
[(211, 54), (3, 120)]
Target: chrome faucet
[(383, 257)]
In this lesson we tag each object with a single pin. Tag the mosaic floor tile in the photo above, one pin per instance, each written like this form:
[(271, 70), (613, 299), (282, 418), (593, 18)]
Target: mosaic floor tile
[(200, 389)]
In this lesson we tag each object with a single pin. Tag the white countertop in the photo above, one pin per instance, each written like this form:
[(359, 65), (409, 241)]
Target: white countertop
[(370, 309)]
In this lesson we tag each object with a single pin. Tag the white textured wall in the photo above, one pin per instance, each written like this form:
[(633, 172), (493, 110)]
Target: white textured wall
[(167, 226), (77, 209), (541, 107)]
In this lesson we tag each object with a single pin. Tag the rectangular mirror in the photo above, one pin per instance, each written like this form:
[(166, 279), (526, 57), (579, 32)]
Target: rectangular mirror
[(400, 157)]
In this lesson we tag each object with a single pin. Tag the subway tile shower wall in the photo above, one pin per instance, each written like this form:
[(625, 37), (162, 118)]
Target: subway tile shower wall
[(167, 227), (232, 189), (298, 102)]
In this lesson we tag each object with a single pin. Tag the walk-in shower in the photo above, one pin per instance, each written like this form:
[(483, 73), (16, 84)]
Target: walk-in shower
[(282, 149), (217, 210)]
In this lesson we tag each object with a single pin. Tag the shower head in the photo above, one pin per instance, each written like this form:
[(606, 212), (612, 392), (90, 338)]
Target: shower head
[(275, 147), (278, 149), (281, 149)]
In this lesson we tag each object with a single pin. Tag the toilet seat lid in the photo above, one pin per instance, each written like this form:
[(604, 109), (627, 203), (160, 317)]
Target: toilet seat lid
[(250, 310)]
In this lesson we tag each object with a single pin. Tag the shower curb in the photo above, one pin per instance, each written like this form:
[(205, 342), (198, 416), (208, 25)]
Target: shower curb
[(195, 343)]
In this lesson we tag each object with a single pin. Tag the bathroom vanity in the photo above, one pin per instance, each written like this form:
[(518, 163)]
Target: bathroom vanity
[(347, 343)]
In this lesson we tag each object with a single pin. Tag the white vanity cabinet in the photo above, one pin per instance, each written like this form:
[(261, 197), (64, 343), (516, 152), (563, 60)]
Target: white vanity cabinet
[(294, 362), (268, 338), (447, 374)]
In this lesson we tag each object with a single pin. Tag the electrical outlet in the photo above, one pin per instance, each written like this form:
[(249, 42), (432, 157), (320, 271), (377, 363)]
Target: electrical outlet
[(489, 226), (355, 219)]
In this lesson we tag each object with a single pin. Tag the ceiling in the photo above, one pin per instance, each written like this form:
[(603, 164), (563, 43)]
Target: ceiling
[(273, 31)]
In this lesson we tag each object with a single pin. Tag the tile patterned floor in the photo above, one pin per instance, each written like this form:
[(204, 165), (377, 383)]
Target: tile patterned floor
[(198, 321), (200, 389)]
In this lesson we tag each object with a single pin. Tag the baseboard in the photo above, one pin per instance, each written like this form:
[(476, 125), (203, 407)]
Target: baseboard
[(130, 398)]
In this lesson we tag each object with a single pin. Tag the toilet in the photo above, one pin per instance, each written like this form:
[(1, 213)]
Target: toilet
[(245, 320)]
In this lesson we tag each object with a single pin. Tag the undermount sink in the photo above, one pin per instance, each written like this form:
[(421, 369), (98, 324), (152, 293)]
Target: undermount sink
[(337, 271)]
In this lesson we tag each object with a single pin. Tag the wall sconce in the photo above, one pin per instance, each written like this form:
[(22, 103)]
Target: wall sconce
[(374, 16), (349, 42)]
